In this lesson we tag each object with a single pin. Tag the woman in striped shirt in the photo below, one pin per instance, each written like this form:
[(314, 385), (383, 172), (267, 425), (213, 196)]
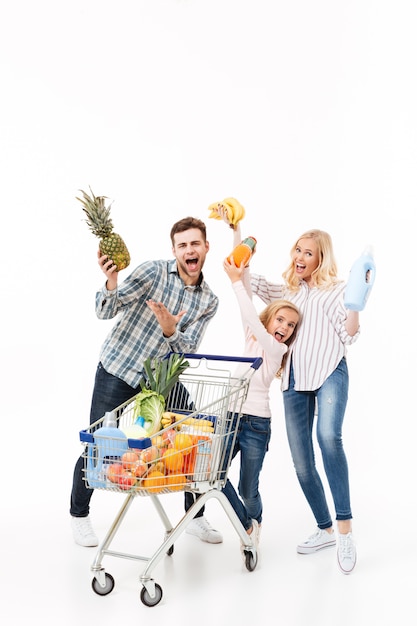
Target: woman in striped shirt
[(315, 384)]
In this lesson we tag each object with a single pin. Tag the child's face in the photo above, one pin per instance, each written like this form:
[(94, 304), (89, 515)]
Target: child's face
[(283, 324), (306, 258)]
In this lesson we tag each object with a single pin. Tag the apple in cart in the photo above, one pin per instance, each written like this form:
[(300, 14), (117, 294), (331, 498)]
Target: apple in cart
[(129, 459), (139, 469), (168, 436), (149, 455), (126, 480), (114, 472)]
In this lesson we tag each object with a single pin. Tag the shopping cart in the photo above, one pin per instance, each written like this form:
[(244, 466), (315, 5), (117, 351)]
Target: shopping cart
[(192, 453)]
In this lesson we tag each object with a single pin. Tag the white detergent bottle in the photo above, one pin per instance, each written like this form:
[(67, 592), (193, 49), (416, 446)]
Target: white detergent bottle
[(360, 281)]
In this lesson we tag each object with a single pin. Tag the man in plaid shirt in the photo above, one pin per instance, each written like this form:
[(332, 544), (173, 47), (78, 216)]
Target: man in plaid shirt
[(163, 306)]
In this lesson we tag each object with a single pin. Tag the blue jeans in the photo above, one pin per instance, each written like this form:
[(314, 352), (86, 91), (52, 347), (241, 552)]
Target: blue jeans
[(109, 392), (252, 441), (299, 407)]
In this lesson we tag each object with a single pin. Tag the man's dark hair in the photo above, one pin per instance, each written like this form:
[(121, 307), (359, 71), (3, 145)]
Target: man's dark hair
[(185, 224)]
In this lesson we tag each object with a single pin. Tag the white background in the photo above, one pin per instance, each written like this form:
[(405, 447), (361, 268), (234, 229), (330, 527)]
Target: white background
[(304, 111)]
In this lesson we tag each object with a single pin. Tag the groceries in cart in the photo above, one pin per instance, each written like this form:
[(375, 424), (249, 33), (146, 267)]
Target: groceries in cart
[(149, 445), (176, 456), (170, 436)]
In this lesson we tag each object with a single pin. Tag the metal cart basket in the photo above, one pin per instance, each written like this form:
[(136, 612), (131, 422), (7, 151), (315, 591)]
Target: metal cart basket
[(192, 452)]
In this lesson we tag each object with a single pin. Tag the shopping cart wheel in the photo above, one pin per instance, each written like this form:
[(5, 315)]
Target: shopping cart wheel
[(147, 599), (251, 560), (108, 585)]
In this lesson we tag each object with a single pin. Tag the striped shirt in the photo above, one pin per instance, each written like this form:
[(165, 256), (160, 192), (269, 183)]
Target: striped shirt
[(137, 334), (321, 338)]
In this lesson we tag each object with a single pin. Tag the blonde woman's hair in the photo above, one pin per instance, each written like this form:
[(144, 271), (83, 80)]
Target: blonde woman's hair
[(269, 312), (325, 275)]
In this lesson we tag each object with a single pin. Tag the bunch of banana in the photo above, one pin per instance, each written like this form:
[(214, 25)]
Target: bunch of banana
[(172, 419), (201, 425), (235, 211), (168, 418)]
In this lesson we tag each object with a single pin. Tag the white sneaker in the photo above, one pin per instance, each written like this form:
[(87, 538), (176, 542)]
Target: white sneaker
[(255, 536), (83, 532), (200, 527), (346, 553), (256, 533), (321, 539)]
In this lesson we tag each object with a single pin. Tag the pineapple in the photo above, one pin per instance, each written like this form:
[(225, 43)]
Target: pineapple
[(99, 222)]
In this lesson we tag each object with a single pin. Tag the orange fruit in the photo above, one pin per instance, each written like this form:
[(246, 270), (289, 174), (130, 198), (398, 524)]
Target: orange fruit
[(159, 441), (183, 442), (175, 482), (159, 466), (154, 481), (173, 460)]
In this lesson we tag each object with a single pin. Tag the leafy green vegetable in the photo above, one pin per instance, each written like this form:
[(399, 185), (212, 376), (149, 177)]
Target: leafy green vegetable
[(150, 405), (160, 376)]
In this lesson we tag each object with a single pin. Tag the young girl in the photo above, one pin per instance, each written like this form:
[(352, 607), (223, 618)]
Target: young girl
[(268, 336), (315, 383)]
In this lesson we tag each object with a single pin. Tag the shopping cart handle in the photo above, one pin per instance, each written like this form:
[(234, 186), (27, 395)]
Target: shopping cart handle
[(86, 437), (136, 444), (255, 361)]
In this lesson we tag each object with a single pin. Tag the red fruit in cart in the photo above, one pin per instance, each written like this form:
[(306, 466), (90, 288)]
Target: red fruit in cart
[(114, 472), (168, 436), (129, 459), (149, 455), (126, 480), (139, 469), (173, 460), (154, 481)]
